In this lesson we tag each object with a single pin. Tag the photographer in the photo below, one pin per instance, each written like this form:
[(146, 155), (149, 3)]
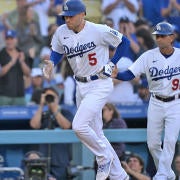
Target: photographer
[(52, 118)]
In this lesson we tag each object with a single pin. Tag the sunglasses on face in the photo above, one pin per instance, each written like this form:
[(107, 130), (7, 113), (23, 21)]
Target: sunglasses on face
[(161, 36)]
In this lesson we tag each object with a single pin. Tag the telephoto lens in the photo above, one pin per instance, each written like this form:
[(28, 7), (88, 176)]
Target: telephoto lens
[(49, 98)]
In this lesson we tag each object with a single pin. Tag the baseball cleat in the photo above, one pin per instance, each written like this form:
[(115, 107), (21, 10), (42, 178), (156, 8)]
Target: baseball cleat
[(103, 170)]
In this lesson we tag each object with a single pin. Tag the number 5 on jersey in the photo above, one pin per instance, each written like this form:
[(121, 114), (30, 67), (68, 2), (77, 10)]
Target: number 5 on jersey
[(92, 59)]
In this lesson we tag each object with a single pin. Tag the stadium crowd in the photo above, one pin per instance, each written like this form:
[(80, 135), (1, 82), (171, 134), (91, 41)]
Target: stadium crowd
[(25, 36)]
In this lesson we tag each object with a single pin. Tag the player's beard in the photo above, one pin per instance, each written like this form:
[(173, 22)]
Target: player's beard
[(79, 25), (69, 26), (162, 45)]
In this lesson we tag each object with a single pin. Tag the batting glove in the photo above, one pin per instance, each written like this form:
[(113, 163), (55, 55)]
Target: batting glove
[(47, 69), (107, 70)]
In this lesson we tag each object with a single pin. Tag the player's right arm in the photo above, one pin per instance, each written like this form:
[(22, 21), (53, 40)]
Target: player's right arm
[(48, 68), (55, 57)]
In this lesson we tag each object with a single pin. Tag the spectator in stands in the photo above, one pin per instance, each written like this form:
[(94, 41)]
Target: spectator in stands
[(116, 9), (127, 28), (55, 9), (54, 117), (35, 83), (12, 18), (35, 155), (143, 94), (151, 11), (140, 10), (2, 32), (176, 36), (38, 80), (170, 10), (51, 30), (13, 67), (67, 74), (60, 86), (112, 120), (134, 166), (29, 35), (145, 40), (109, 22), (142, 23), (177, 166), (36, 97), (41, 7)]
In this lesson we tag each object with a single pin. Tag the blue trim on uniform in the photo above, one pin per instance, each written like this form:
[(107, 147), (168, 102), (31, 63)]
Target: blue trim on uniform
[(121, 50), (94, 77), (125, 76), (56, 57)]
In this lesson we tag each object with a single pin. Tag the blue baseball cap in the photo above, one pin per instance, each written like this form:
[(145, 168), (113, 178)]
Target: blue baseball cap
[(73, 7), (163, 28), (10, 33)]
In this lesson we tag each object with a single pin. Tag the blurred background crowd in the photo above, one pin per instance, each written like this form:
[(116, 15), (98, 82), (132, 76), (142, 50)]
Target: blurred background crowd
[(26, 29), (26, 33)]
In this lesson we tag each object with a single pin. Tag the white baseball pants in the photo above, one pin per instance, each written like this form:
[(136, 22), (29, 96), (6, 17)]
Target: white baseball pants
[(163, 117), (87, 123)]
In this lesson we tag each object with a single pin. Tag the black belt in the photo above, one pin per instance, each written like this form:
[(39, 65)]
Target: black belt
[(166, 99), (86, 79)]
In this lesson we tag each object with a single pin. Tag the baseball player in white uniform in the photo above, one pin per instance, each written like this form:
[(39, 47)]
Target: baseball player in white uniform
[(162, 68), (86, 46)]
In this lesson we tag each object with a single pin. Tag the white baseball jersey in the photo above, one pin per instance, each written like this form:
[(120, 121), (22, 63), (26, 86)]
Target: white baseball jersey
[(163, 74), (88, 50)]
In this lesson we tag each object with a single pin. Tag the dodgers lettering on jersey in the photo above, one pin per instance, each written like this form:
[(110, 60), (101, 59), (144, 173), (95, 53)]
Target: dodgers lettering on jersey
[(88, 50), (163, 74), (79, 50), (168, 73)]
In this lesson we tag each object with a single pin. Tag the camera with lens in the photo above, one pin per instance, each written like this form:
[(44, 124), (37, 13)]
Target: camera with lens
[(49, 98), (36, 169)]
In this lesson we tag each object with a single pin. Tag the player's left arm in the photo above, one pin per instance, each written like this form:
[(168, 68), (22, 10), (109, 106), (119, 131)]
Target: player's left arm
[(121, 51)]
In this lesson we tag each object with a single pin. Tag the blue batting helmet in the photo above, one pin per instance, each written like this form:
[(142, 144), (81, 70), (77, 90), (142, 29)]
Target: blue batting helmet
[(163, 28), (73, 7)]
